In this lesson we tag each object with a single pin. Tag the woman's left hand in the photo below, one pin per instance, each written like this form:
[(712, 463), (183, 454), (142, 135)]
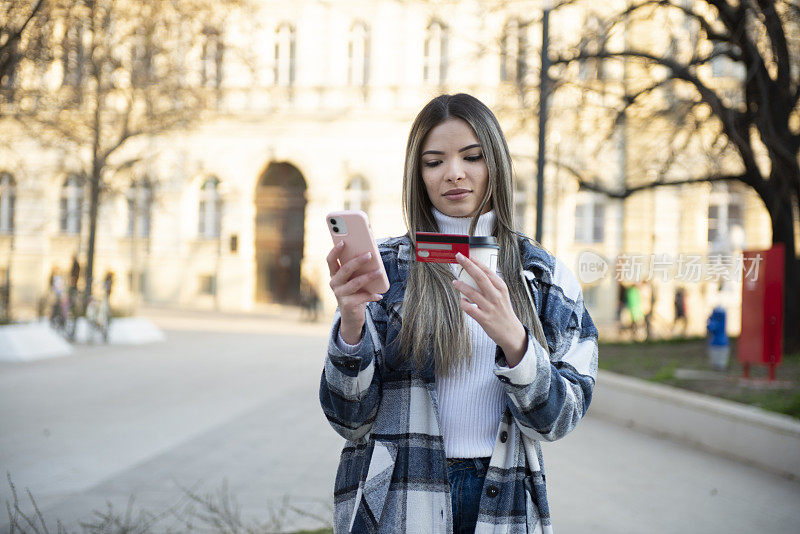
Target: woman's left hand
[(490, 306)]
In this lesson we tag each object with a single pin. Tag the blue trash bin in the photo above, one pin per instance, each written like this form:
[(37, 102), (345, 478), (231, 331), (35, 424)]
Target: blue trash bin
[(718, 346)]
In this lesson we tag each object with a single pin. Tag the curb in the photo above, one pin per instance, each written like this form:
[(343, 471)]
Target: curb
[(744, 433), (23, 342)]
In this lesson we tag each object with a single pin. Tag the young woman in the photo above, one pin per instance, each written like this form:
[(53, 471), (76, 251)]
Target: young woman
[(443, 391)]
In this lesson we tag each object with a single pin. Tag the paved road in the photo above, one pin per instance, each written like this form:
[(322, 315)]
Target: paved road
[(229, 404)]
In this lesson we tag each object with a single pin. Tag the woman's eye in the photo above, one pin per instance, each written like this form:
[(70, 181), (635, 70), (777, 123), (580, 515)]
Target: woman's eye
[(433, 163), (474, 157)]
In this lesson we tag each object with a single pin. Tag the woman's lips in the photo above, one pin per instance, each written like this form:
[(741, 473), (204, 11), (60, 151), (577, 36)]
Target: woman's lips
[(457, 194)]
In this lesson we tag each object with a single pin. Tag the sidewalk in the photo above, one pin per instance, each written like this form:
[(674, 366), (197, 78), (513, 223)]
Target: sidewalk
[(744, 433), (265, 318), (233, 397), (37, 340)]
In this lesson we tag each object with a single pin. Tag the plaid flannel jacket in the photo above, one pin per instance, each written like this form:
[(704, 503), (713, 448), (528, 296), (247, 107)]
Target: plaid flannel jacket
[(392, 475)]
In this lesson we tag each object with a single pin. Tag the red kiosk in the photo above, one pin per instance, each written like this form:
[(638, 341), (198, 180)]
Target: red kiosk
[(761, 338)]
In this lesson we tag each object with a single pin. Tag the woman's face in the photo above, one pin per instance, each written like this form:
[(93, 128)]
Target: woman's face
[(454, 169)]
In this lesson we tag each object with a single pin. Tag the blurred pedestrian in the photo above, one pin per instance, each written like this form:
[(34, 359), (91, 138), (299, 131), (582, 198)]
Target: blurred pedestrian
[(310, 303), (75, 272), (623, 313), (108, 284), (633, 299), (73, 292), (680, 310), (648, 296), (59, 304), (444, 390), (5, 298)]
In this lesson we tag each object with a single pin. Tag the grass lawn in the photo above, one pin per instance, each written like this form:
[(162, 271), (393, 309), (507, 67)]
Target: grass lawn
[(677, 362)]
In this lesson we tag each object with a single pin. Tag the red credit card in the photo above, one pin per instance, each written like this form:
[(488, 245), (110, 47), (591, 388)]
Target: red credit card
[(441, 248)]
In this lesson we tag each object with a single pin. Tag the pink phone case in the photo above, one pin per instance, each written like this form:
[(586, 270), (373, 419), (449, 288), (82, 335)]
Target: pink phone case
[(357, 241)]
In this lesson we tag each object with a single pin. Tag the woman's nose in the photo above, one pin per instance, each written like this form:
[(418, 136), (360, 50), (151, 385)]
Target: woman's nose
[(455, 171)]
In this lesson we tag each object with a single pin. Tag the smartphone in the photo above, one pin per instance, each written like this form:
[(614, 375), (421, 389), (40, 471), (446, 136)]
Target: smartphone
[(352, 227)]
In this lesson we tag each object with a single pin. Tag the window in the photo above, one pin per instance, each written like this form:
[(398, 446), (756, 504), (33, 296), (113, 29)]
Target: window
[(591, 297), (211, 59), (590, 215), (735, 215), (520, 207), (713, 223), (207, 284), (71, 205), (356, 195), (8, 196), (725, 218), (139, 278), (140, 203), (209, 224), (73, 60), (358, 55), (284, 68), (435, 66), (512, 52), (142, 72), (593, 43)]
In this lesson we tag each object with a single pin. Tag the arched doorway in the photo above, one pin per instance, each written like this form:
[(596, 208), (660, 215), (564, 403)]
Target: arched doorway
[(280, 220)]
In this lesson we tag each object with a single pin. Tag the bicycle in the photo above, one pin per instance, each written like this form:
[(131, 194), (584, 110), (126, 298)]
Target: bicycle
[(63, 316), (98, 317)]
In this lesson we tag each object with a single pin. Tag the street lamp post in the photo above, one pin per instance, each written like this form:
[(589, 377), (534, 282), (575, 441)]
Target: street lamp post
[(544, 90)]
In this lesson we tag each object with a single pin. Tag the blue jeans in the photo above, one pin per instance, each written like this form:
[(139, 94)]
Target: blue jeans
[(466, 485)]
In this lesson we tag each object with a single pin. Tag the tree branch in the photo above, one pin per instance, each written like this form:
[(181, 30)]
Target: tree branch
[(758, 81), (16, 35), (125, 132), (39, 126), (772, 23), (729, 15), (730, 118), (711, 34), (625, 192)]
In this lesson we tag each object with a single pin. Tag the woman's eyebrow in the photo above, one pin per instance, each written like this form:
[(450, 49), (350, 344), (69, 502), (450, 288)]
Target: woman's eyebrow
[(469, 146), (439, 152)]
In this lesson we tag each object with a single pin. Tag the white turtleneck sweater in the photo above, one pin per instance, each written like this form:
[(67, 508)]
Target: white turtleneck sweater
[(471, 398)]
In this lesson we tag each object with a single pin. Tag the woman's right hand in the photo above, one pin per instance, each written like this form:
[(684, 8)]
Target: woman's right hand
[(350, 293)]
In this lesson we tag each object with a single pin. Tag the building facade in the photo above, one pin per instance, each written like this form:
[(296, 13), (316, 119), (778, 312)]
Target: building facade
[(230, 214)]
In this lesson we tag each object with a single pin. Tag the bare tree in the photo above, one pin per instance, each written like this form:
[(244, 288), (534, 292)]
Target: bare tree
[(17, 17), (718, 97), (111, 72)]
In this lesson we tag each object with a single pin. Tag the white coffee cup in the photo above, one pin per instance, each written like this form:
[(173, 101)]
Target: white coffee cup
[(483, 249)]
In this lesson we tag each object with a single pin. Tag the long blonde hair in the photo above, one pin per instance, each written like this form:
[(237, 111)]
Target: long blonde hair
[(432, 318)]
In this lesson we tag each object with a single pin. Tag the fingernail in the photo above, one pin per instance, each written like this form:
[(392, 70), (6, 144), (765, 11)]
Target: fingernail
[(369, 255), (340, 244), (459, 256)]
